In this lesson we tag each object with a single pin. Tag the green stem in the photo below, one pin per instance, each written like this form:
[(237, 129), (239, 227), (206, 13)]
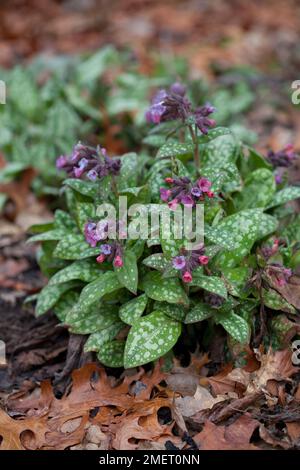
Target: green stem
[(196, 146)]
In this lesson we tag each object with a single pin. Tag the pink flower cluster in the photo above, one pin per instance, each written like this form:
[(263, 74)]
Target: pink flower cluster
[(181, 190), (112, 251), (172, 104), (188, 261)]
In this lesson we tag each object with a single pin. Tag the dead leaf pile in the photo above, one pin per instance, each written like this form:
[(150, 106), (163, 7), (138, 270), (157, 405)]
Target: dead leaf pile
[(236, 409)]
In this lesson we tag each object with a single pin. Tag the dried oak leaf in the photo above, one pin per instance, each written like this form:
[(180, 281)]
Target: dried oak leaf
[(59, 424), (221, 383), (142, 424), (236, 436), (274, 366), (202, 400), (185, 380)]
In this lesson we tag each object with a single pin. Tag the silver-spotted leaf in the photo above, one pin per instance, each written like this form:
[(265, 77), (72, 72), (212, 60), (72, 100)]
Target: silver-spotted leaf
[(74, 247), (149, 338), (87, 188), (285, 195), (165, 290), (258, 191), (86, 270), (97, 318), (235, 325), (128, 273), (97, 339), (175, 149), (105, 284), (211, 284), (55, 234), (132, 310), (65, 304), (49, 295), (199, 312), (275, 301), (156, 261), (177, 312), (111, 353)]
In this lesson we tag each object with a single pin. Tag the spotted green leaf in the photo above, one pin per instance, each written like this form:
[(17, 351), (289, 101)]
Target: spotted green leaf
[(132, 310), (199, 312), (128, 273), (236, 280), (55, 234), (87, 188), (177, 312), (63, 220), (213, 134), (171, 246), (49, 295), (156, 261), (175, 149), (224, 148), (285, 195), (84, 212), (85, 270), (128, 172), (149, 338), (165, 290), (226, 177), (258, 191), (65, 304), (74, 247), (235, 325), (97, 339), (211, 284), (241, 229), (105, 284), (275, 301), (97, 318), (111, 353)]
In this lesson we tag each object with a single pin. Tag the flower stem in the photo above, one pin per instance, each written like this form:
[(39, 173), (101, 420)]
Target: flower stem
[(196, 146)]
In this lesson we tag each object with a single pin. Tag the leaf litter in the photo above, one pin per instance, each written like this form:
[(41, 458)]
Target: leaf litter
[(139, 410)]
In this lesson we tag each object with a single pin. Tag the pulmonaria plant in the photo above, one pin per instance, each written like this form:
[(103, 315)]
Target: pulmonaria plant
[(133, 297)]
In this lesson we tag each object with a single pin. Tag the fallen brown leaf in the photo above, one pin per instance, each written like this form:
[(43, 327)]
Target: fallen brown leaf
[(202, 400), (233, 437)]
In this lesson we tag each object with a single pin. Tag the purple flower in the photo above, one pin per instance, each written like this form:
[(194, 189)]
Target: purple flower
[(201, 117), (196, 191), (157, 108), (178, 89), (282, 158), (187, 201), (90, 234), (204, 184), (165, 194), (101, 230), (92, 175), (169, 105), (78, 171), (179, 262), (106, 249), (61, 161), (94, 163)]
